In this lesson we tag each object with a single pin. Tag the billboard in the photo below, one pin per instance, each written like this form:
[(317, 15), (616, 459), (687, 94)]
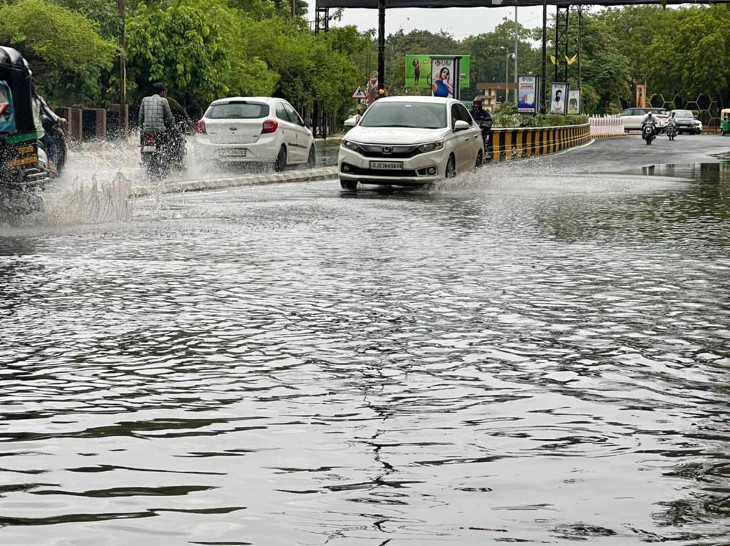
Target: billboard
[(419, 70), (574, 101), (559, 98), (527, 94)]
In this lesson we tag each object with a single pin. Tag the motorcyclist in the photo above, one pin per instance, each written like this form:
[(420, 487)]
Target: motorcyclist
[(648, 120), (49, 120), (155, 116), (183, 125), (482, 117), (672, 125)]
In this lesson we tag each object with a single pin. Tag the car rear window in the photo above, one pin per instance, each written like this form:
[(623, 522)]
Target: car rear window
[(238, 110), (405, 114)]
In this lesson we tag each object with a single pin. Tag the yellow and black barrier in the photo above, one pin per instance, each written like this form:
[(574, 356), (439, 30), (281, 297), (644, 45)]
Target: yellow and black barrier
[(531, 141)]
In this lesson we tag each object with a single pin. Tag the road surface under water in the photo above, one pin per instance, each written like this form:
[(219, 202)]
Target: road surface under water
[(524, 355)]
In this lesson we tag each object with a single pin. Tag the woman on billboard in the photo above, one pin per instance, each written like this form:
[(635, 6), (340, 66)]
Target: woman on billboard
[(441, 86)]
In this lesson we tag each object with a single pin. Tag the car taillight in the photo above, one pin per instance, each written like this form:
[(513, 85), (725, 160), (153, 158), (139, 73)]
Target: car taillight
[(270, 126), (149, 140), (200, 127)]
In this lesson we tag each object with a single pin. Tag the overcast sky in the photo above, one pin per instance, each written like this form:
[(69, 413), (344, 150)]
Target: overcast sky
[(458, 22)]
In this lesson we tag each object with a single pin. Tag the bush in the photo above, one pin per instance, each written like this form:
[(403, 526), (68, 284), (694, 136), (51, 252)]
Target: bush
[(506, 115)]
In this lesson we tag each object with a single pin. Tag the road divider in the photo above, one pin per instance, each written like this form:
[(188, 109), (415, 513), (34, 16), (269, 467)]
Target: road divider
[(608, 126), (508, 143)]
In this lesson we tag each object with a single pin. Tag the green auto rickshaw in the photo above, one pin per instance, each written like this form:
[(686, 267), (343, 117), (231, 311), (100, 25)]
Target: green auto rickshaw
[(725, 121), (23, 164)]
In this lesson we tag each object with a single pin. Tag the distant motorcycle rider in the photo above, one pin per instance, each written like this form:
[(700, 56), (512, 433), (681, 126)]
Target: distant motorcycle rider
[(155, 115), (482, 117), (648, 120)]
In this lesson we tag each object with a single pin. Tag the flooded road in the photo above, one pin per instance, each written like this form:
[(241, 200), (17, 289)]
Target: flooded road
[(534, 353)]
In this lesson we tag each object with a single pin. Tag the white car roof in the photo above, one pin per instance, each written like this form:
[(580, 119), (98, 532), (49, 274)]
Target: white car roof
[(417, 98), (268, 100)]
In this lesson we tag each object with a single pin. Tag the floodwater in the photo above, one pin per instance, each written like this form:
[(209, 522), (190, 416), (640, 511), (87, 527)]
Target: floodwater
[(539, 360)]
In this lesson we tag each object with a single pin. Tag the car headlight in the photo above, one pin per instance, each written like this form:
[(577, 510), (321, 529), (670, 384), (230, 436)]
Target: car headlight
[(431, 146), (349, 144)]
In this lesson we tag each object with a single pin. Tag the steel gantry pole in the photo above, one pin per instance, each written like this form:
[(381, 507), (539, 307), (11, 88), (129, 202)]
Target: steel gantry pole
[(381, 44), (543, 84)]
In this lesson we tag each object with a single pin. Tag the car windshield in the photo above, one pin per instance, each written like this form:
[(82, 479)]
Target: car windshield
[(683, 114), (405, 114), (238, 110)]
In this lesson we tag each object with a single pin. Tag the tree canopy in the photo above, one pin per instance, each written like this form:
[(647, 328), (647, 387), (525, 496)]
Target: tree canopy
[(207, 49)]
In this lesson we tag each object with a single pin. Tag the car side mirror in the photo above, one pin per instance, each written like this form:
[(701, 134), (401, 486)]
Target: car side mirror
[(460, 125), (351, 122)]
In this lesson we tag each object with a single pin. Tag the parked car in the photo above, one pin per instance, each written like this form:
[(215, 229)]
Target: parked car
[(409, 141), (687, 122), (254, 130), (633, 117)]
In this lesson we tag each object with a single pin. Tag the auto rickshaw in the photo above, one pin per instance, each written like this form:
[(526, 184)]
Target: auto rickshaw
[(725, 121), (23, 163)]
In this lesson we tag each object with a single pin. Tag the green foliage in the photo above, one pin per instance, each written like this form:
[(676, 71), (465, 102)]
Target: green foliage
[(63, 48), (506, 115), (179, 45), (206, 49)]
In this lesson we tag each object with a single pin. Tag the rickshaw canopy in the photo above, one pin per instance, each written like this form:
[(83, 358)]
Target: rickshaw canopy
[(17, 76)]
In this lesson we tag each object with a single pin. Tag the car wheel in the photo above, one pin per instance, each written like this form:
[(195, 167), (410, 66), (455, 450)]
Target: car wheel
[(280, 163), (480, 160), (450, 168), (312, 158), (349, 185)]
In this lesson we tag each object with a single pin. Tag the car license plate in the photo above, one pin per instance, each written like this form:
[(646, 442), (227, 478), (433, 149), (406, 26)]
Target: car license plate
[(146, 149), (234, 152), (386, 165)]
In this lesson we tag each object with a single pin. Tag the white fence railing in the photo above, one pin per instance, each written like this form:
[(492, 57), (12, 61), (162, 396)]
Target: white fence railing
[(607, 126)]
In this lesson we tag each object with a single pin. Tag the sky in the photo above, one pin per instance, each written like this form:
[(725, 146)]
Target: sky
[(458, 22)]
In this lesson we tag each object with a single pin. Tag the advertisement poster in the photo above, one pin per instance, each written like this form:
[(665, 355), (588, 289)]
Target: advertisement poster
[(574, 101), (527, 87), (559, 98), (418, 70), (443, 70)]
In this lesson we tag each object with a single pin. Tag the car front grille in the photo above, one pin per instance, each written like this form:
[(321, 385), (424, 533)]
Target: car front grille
[(387, 151)]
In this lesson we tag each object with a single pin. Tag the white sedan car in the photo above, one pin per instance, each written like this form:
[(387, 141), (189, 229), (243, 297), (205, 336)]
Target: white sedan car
[(634, 117), (409, 141), (254, 130)]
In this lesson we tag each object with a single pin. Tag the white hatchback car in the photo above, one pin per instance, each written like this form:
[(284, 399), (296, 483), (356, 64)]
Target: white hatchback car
[(409, 141), (254, 130)]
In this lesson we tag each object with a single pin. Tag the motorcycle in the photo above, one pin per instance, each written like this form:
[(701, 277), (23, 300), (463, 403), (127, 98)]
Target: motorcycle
[(671, 130), (486, 126), (161, 153), (648, 133)]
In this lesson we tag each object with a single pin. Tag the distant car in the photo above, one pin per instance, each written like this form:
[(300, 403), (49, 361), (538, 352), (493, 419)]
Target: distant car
[(254, 130), (633, 117), (409, 141), (687, 122)]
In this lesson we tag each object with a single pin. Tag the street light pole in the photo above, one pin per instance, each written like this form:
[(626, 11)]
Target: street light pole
[(515, 53), (506, 76)]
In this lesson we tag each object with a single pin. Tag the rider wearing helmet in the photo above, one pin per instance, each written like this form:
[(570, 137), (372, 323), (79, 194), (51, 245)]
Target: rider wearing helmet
[(482, 117)]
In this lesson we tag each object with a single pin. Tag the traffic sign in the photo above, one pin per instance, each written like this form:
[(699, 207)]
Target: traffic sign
[(358, 94)]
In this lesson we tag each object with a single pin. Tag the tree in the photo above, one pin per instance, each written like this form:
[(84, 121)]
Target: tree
[(64, 50), (179, 45)]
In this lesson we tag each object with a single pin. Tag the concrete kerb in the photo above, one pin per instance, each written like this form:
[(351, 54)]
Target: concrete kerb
[(308, 175), (303, 175)]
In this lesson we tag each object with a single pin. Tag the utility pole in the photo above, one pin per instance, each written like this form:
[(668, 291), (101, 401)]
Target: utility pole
[(122, 6)]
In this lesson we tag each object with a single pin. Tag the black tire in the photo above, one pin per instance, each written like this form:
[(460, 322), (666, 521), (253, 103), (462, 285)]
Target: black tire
[(280, 163), (349, 185), (312, 158), (648, 141), (450, 168)]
